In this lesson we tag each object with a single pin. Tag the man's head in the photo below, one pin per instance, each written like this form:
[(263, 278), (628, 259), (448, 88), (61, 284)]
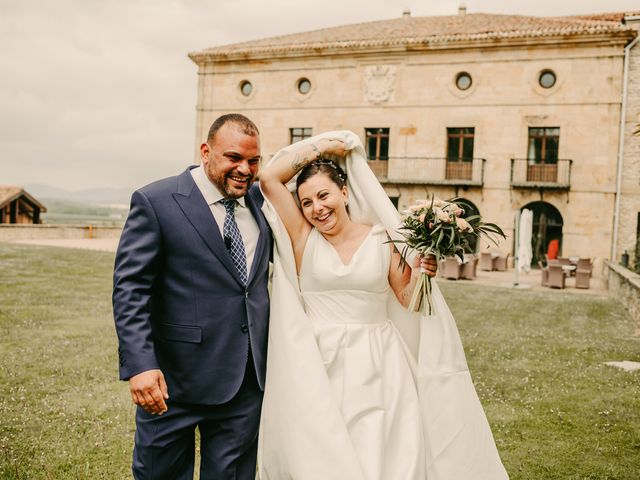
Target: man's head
[(231, 154)]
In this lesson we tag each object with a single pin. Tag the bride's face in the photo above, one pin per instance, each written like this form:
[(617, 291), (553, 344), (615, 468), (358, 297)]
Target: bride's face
[(323, 202)]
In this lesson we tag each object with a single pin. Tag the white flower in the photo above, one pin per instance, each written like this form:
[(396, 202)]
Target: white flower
[(463, 225), (441, 215)]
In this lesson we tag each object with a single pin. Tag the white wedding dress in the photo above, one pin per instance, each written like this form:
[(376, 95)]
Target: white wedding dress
[(363, 354), (357, 387)]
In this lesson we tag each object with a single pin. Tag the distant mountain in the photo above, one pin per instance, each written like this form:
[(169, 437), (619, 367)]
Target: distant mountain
[(94, 196)]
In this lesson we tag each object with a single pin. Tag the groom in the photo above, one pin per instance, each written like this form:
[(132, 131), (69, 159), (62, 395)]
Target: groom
[(191, 311)]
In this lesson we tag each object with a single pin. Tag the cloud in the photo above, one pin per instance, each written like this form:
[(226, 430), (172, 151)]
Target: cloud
[(101, 93)]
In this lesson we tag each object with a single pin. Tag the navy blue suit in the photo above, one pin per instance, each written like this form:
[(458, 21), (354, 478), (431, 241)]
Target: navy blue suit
[(180, 306)]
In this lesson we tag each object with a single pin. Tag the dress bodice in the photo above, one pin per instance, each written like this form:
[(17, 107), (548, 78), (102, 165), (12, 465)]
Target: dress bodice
[(355, 292)]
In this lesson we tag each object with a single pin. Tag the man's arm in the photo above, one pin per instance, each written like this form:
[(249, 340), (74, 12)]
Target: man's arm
[(136, 269)]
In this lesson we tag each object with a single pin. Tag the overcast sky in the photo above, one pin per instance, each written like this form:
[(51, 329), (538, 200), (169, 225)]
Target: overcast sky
[(101, 93)]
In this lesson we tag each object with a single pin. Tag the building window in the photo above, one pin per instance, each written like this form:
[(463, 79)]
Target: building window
[(377, 143), (542, 164), (246, 88), (304, 86), (298, 134), (460, 153), (463, 81), (460, 144), (547, 79), (543, 145)]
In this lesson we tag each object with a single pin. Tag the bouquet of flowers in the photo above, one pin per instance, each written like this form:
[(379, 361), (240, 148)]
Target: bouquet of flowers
[(438, 227)]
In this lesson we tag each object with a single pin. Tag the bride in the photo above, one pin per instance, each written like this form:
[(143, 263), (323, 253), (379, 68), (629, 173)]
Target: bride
[(357, 387)]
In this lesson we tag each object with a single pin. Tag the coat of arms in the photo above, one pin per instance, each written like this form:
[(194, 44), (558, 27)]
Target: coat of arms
[(379, 83)]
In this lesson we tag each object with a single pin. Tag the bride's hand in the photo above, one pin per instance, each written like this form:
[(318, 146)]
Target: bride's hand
[(428, 265), (332, 147)]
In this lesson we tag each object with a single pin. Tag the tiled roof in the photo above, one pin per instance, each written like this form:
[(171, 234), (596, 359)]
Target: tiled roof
[(608, 17), (8, 193), (408, 31)]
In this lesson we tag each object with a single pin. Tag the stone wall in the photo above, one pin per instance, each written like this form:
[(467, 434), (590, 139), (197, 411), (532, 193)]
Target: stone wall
[(630, 184), (624, 285), (36, 232)]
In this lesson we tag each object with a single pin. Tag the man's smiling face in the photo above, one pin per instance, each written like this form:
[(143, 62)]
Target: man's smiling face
[(231, 160)]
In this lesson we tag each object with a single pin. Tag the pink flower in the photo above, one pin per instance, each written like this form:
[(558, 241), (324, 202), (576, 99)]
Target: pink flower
[(421, 217)]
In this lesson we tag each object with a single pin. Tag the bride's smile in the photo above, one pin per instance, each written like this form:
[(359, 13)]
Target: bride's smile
[(323, 203)]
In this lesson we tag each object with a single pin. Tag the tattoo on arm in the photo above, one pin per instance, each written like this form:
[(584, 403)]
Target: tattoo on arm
[(297, 163), (301, 160)]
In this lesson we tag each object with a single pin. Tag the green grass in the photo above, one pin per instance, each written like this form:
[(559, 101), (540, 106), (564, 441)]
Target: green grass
[(536, 358)]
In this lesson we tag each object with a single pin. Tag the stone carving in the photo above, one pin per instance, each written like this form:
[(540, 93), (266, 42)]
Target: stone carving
[(379, 83)]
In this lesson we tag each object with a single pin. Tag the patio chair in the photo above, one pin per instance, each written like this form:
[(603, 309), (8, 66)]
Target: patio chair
[(545, 274), (500, 263), (451, 268), (583, 276), (556, 276), (584, 264), (486, 262), (468, 270)]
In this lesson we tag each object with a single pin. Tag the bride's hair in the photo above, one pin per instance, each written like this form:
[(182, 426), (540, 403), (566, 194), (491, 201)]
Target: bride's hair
[(326, 166)]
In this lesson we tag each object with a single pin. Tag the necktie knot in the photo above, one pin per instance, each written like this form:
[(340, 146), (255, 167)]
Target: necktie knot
[(229, 204)]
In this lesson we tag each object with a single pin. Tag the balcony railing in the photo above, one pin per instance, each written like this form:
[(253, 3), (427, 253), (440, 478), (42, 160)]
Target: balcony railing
[(526, 173), (430, 171)]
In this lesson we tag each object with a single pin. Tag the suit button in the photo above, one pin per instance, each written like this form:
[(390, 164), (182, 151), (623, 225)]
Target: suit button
[(246, 294), (244, 329)]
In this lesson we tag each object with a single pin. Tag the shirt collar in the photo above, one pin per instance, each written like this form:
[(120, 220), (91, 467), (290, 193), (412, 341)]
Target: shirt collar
[(209, 191)]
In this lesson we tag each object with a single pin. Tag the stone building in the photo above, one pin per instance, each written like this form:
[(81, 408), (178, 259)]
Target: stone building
[(17, 206), (504, 111)]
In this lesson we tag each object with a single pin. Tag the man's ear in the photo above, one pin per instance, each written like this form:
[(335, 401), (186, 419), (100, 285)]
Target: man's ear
[(204, 153)]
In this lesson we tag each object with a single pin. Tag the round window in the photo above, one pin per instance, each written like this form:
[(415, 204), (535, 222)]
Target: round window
[(547, 79), (246, 88), (304, 86), (463, 81)]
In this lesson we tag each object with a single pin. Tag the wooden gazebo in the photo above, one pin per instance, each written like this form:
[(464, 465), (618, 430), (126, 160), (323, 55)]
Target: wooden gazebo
[(17, 206)]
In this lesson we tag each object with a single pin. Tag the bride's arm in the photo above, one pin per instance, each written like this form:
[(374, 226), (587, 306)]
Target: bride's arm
[(274, 178), (403, 280)]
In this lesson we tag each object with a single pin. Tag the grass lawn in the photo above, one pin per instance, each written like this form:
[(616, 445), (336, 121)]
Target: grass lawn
[(536, 359)]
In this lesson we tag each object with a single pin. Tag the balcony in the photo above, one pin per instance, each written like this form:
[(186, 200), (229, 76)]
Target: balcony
[(527, 173), (430, 171)]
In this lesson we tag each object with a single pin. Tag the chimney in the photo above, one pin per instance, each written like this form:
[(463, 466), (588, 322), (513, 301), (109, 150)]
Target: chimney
[(406, 13), (462, 10)]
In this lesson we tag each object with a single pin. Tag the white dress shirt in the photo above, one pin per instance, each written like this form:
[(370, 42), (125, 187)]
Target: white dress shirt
[(246, 223)]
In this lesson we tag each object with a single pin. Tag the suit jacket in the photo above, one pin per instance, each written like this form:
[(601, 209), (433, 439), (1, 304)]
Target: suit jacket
[(178, 301)]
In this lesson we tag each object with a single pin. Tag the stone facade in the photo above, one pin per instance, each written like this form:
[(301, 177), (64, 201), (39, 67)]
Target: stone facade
[(412, 92), (629, 225)]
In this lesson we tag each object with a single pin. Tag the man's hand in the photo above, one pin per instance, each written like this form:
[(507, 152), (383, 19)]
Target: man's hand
[(149, 390), (428, 265)]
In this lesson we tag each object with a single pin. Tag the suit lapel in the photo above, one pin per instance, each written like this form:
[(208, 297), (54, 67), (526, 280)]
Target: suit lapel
[(264, 234), (195, 208)]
